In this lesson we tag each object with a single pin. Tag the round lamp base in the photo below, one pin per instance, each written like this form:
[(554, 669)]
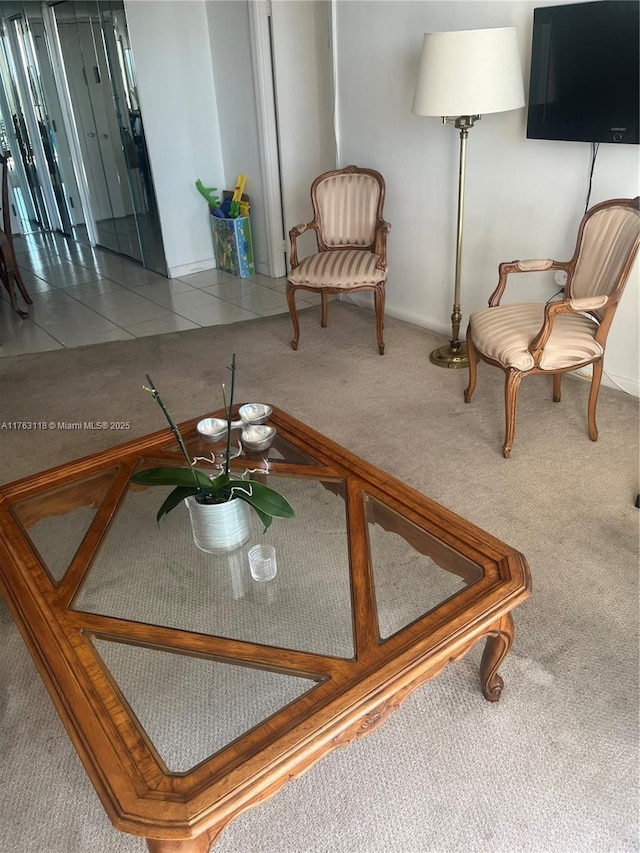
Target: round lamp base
[(450, 356)]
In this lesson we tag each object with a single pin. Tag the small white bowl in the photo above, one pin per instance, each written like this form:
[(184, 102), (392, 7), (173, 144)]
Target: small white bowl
[(257, 437), (212, 429), (254, 413)]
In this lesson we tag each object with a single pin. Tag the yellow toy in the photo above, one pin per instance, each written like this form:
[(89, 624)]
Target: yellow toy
[(234, 210)]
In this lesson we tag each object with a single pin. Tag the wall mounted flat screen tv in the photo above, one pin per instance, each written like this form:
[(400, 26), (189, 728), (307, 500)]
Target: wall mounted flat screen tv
[(585, 72)]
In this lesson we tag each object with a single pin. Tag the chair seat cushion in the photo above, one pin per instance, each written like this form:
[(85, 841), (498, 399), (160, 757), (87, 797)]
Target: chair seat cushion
[(505, 332), (343, 268)]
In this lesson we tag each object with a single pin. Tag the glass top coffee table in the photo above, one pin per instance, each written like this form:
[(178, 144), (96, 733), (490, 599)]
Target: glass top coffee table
[(193, 692)]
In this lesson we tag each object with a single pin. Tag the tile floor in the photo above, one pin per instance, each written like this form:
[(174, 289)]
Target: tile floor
[(85, 296)]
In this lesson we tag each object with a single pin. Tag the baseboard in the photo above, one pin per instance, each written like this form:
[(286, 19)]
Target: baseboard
[(423, 320), (365, 300), (612, 380), (207, 264), (629, 386), (195, 266)]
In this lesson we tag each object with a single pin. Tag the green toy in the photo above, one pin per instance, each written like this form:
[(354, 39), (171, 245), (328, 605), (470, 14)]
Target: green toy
[(208, 193)]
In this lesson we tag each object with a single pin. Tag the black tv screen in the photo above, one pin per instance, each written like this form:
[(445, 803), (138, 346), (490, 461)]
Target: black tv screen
[(585, 72)]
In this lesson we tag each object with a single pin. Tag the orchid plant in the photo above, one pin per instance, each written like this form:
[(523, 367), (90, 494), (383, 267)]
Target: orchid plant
[(266, 502)]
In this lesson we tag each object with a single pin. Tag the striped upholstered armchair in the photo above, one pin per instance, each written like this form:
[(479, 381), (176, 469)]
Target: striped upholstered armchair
[(562, 335), (351, 237)]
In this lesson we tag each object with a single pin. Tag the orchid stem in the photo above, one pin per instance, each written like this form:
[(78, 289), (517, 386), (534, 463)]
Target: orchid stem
[(174, 429), (229, 414)]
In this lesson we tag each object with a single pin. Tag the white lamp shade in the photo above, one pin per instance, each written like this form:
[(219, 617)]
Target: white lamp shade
[(469, 72)]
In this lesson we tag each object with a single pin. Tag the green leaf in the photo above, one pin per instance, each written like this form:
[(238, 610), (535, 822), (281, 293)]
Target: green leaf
[(173, 499), (220, 482), (263, 499), (264, 518), (171, 477)]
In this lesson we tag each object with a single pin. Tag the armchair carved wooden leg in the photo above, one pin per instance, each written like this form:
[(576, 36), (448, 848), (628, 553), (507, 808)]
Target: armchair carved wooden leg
[(596, 378), (8, 281), (557, 387), (473, 368), (325, 308), (291, 302), (21, 287), (10, 274), (513, 378), (378, 301)]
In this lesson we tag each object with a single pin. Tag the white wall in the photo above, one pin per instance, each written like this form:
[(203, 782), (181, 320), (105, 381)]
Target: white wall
[(524, 198), (170, 42)]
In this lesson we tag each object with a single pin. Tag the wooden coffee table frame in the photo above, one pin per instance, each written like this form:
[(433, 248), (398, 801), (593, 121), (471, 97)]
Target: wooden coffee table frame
[(187, 812)]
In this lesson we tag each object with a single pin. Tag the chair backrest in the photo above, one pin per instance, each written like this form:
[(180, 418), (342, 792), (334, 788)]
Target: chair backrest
[(347, 206), (606, 248)]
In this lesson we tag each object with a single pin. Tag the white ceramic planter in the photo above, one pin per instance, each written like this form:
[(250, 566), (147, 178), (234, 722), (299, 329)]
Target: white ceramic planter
[(219, 527)]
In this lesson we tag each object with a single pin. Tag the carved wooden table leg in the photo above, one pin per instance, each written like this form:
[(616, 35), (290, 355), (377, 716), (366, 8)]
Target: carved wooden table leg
[(498, 644), (200, 844)]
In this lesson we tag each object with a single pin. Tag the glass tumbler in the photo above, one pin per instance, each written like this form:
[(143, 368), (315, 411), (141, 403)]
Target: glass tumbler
[(262, 562)]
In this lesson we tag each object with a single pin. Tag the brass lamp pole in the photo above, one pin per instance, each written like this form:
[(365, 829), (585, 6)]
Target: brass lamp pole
[(454, 354)]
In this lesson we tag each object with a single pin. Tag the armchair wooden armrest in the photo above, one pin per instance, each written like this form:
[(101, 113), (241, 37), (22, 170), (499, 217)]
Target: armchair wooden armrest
[(294, 233), (380, 243), (565, 306), (534, 265)]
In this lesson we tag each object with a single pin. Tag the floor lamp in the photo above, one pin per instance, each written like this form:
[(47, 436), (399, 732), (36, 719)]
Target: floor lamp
[(463, 75)]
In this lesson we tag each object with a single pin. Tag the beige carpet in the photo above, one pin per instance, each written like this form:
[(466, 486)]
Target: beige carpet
[(551, 767)]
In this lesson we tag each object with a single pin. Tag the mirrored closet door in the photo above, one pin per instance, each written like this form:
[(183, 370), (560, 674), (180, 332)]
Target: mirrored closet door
[(73, 125)]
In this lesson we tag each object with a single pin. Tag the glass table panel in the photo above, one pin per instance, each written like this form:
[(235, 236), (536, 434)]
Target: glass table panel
[(56, 521), (425, 572), (158, 575), (205, 704)]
